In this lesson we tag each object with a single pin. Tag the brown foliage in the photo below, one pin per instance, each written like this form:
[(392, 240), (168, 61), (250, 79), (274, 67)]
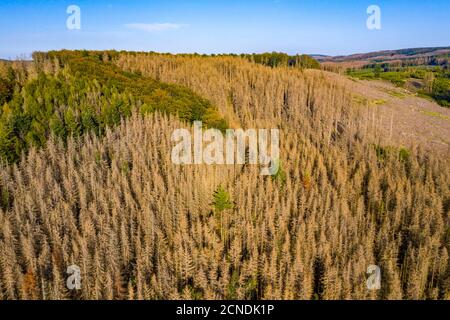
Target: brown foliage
[(140, 227)]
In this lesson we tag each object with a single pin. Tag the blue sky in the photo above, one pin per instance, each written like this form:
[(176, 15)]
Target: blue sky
[(216, 26)]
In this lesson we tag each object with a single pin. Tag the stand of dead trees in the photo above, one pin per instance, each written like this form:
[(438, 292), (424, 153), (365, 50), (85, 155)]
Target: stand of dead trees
[(140, 227)]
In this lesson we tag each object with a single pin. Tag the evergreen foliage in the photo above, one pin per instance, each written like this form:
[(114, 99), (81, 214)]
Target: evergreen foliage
[(82, 93)]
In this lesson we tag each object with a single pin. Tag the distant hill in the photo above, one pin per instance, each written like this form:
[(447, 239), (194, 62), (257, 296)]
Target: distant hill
[(320, 56), (386, 55)]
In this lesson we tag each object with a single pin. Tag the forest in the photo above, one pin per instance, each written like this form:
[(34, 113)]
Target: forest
[(71, 93), (86, 179)]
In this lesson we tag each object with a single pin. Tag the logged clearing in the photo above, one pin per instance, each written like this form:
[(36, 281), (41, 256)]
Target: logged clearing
[(405, 117)]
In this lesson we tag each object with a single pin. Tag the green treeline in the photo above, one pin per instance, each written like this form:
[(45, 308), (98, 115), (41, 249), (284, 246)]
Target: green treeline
[(86, 93), (279, 59)]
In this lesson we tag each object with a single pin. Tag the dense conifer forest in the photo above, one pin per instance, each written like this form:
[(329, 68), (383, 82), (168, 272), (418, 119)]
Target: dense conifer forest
[(86, 179)]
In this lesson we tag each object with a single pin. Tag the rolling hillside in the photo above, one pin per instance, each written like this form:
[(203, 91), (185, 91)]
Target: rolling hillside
[(91, 183)]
